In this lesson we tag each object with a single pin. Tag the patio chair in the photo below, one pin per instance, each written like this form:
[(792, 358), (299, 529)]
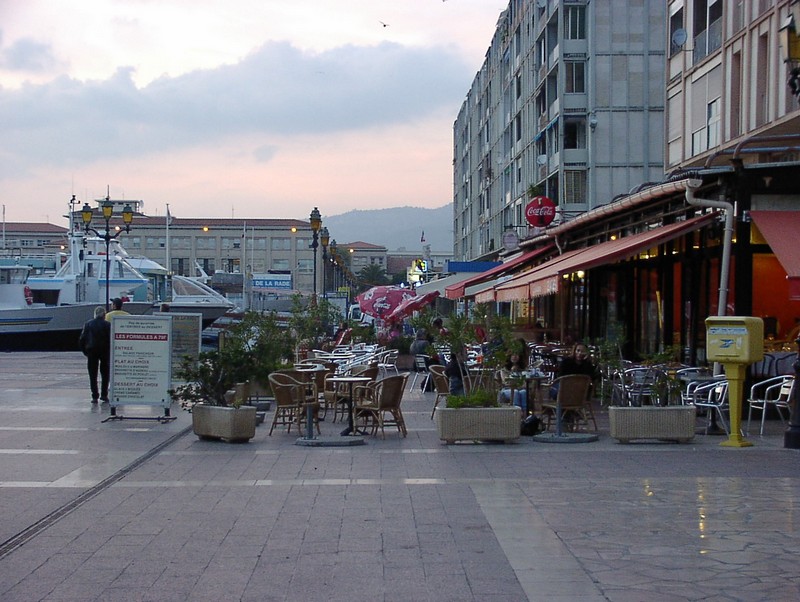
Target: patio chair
[(442, 384), (713, 397), (574, 399), (341, 395), (291, 397), (388, 362), (421, 362), (777, 392), (386, 400)]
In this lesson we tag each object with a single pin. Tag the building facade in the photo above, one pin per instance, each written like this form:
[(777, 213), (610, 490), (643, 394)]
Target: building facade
[(569, 104)]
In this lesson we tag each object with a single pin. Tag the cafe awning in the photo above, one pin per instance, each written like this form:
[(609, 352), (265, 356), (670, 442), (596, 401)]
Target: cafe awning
[(779, 229), (456, 291), (442, 283), (545, 279)]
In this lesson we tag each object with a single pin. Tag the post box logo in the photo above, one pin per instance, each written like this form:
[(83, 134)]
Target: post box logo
[(540, 212)]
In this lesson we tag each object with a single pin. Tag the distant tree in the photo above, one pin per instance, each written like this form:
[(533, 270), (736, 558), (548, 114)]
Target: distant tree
[(373, 275)]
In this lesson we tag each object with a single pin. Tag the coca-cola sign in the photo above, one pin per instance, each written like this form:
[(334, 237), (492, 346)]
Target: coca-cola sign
[(540, 212)]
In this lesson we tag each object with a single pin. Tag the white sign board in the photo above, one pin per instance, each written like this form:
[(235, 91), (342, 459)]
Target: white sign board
[(141, 360)]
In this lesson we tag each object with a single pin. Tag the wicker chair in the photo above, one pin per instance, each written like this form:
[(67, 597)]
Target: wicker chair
[(574, 400), (442, 385), (291, 398), (387, 396)]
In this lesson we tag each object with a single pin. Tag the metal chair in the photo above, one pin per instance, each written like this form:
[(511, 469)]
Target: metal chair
[(777, 392), (421, 362), (713, 397)]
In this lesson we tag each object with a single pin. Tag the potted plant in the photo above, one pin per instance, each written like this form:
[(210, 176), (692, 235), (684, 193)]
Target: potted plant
[(311, 322), (476, 415), (217, 383), (664, 417)]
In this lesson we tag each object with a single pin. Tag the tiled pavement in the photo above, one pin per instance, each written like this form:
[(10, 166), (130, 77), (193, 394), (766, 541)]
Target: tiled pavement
[(139, 510)]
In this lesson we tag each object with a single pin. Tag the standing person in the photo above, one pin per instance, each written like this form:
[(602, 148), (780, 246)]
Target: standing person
[(95, 342), (116, 309)]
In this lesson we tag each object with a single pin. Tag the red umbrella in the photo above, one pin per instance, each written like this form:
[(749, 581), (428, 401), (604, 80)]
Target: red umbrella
[(380, 301), (409, 306)]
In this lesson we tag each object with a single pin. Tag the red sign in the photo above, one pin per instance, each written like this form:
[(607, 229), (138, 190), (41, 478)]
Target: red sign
[(540, 212)]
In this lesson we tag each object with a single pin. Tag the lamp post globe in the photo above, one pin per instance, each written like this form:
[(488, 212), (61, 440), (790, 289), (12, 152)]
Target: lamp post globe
[(315, 220), (87, 213)]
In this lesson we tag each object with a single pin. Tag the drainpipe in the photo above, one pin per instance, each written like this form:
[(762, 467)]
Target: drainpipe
[(724, 271), (725, 268)]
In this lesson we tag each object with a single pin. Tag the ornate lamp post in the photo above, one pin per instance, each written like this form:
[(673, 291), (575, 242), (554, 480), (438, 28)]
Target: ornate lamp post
[(335, 266), (108, 211), (316, 223), (790, 47), (324, 239)]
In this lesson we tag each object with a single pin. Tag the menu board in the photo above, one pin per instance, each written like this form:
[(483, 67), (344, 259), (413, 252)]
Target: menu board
[(141, 360), (186, 337)]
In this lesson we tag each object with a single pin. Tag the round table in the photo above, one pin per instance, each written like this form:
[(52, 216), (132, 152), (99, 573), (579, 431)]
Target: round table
[(349, 380)]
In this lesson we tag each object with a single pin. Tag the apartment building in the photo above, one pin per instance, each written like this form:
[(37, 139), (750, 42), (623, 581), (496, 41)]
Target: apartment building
[(569, 104), (727, 82)]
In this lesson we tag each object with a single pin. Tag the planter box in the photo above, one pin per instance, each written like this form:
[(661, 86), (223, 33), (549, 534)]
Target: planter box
[(668, 423), (235, 425), (478, 424)]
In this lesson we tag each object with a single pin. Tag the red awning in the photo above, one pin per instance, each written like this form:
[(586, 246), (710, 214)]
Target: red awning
[(545, 279), (456, 291), (779, 229)]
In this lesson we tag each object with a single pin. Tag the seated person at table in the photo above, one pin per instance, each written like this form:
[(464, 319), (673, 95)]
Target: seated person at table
[(578, 362), (455, 370), (517, 362)]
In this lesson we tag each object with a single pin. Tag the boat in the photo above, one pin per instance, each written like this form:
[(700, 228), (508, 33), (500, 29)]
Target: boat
[(26, 325), (135, 279)]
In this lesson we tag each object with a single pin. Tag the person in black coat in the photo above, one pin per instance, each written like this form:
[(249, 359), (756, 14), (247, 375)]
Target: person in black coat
[(95, 342)]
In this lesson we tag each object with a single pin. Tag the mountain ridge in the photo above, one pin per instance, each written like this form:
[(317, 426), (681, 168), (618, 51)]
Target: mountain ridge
[(396, 228)]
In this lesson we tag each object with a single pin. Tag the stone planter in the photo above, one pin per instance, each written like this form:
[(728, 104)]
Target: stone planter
[(478, 424), (672, 423), (235, 425)]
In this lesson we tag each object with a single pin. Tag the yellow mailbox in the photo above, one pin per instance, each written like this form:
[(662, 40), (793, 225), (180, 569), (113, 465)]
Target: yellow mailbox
[(735, 342), (734, 339)]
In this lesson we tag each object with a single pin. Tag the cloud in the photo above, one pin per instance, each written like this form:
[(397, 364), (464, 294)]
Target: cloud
[(276, 90), (27, 55)]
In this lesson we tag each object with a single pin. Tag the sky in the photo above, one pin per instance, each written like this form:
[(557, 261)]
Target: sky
[(235, 108)]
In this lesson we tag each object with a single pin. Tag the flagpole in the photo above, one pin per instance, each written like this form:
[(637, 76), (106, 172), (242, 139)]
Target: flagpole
[(169, 259)]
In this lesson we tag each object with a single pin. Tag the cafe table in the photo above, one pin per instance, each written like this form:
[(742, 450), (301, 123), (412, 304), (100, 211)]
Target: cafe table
[(350, 381)]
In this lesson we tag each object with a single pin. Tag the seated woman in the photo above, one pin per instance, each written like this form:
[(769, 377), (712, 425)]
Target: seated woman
[(517, 362), (578, 362)]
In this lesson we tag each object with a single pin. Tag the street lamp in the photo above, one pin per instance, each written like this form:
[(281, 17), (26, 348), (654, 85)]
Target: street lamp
[(790, 43), (316, 223), (335, 265), (324, 239), (108, 211)]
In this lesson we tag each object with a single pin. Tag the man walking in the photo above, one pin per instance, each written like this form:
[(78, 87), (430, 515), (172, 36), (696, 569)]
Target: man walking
[(95, 342)]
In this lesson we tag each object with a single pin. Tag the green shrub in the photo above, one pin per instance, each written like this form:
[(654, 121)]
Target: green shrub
[(480, 398)]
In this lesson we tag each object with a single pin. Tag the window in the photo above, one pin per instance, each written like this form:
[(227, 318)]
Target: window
[(281, 244), (707, 27), (575, 23), (232, 243), (305, 266), (713, 124), (280, 264), (574, 186), (155, 242), (676, 23), (180, 242), (699, 139), (575, 83), (206, 244), (575, 134), (302, 243)]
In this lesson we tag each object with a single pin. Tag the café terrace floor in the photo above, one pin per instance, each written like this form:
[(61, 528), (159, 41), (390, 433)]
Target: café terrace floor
[(142, 510)]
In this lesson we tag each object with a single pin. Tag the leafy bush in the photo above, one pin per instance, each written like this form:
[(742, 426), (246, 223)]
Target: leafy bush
[(479, 398)]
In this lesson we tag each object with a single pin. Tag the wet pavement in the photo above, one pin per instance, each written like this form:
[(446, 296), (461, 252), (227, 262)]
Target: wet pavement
[(143, 510)]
